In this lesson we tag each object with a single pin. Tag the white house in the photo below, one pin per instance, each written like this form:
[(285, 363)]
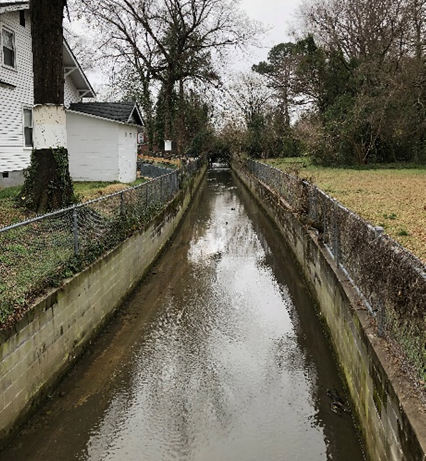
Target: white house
[(96, 147)]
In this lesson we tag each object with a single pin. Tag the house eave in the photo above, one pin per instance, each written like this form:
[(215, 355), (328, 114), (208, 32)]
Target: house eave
[(103, 118), (15, 6), (73, 69), (71, 65)]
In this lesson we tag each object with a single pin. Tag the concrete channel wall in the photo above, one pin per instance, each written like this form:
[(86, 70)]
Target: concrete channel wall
[(45, 344), (391, 419)]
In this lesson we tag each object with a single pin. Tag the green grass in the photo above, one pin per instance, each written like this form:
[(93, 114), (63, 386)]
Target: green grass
[(30, 258), (9, 193), (11, 214), (41, 254)]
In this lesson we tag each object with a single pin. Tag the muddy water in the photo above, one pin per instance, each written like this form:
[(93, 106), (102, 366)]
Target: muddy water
[(217, 357)]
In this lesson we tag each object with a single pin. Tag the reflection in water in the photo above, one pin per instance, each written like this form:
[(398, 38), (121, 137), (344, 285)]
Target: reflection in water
[(230, 364), (221, 374)]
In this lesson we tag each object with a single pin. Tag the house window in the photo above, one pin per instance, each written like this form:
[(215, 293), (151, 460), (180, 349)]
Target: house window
[(22, 18), (8, 45), (28, 127)]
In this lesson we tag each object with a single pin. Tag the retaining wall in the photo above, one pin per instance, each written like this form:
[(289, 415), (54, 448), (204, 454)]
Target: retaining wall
[(43, 346), (390, 416)]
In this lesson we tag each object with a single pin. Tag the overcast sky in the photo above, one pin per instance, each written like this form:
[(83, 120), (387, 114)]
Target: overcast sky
[(278, 14)]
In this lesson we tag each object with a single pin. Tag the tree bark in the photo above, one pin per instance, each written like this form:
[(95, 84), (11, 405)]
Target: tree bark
[(47, 43), (168, 104), (48, 184)]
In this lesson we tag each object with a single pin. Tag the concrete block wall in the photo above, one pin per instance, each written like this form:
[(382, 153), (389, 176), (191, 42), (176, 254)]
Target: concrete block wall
[(391, 418), (46, 342), (11, 178)]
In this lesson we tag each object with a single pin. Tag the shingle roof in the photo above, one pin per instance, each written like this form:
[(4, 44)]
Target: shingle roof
[(125, 112)]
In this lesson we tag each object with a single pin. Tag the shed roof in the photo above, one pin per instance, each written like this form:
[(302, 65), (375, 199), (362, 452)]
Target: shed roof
[(123, 112)]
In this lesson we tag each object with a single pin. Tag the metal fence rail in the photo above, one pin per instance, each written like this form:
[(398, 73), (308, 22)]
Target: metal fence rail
[(42, 251), (390, 279)]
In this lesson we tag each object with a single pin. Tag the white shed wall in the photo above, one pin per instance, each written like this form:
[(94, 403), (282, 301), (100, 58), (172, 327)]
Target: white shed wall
[(92, 148), (127, 153), (13, 155)]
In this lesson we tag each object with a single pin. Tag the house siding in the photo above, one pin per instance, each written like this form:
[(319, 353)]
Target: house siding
[(127, 152), (99, 150), (13, 155), (92, 148), (71, 94)]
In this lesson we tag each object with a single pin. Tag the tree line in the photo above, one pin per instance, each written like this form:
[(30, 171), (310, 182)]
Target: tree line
[(165, 55), (349, 90)]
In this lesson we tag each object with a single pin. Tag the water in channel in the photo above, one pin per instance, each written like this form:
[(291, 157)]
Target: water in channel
[(218, 356)]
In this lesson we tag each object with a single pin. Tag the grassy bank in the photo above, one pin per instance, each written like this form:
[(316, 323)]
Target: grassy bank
[(10, 214), (391, 196)]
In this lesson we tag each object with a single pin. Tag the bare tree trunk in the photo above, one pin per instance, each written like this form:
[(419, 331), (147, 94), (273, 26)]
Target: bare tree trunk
[(48, 184), (149, 115), (180, 121), (168, 105)]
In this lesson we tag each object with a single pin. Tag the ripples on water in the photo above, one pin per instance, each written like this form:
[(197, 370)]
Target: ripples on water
[(220, 374), (218, 357)]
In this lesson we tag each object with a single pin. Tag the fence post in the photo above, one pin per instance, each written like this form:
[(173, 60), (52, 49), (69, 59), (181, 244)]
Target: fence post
[(381, 319), (122, 203), (380, 312), (313, 205), (75, 231), (336, 236), (378, 231), (324, 217)]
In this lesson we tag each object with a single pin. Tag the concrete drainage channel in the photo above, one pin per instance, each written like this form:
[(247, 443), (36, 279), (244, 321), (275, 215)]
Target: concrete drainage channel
[(45, 344), (48, 341), (390, 418)]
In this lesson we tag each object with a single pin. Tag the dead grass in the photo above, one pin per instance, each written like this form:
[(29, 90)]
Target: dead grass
[(170, 162), (392, 198), (91, 190)]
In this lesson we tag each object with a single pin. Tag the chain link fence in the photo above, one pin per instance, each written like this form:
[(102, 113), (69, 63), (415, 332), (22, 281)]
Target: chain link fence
[(41, 252), (391, 280), (152, 170)]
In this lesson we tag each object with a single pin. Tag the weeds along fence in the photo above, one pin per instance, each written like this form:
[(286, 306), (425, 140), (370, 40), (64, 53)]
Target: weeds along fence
[(391, 281), (41, 252)]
